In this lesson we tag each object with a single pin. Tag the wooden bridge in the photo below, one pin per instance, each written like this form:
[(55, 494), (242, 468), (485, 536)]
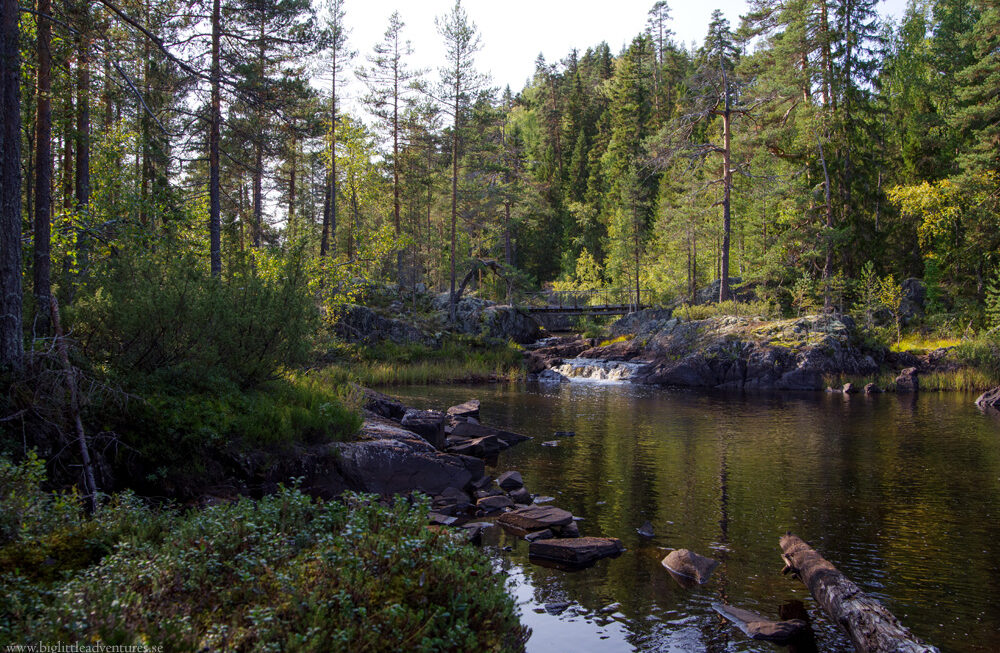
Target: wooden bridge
[(589, 302)]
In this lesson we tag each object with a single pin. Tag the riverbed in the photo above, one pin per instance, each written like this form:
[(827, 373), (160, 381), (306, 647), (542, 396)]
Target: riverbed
[(901, 492)]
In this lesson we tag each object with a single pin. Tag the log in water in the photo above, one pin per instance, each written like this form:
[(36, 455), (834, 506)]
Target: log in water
[(872, 628)]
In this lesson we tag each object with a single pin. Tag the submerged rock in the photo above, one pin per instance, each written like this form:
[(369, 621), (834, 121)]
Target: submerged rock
[(646, 530), (761, 628), (521, 496), (872, 389), (576, 552), (690, 565)]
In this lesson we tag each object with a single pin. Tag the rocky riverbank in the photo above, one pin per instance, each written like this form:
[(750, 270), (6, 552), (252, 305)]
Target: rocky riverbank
[(736, 353)]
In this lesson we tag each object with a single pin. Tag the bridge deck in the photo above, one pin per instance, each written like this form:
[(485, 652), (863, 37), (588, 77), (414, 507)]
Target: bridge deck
[(608, 309)]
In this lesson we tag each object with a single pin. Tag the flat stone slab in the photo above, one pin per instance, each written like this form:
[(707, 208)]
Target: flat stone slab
[(989, 399), (536, 517), (576, 552), (493, 504), (761, 628), (482, 447), (690, 565), (468, 409), (473, 430)]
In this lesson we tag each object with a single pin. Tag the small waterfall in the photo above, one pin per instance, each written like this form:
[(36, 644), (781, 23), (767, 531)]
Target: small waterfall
[(593, 370)]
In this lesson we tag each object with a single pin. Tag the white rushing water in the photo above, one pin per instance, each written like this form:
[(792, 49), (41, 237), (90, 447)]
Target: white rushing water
[(593, 370)]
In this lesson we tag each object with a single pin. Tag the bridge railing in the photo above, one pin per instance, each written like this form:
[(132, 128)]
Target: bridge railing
[(582, 299)]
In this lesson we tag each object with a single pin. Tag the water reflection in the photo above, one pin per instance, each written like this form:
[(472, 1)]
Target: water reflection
[(900, 492)]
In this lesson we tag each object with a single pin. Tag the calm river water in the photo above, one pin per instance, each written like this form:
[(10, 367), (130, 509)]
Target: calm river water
[(902, 493)]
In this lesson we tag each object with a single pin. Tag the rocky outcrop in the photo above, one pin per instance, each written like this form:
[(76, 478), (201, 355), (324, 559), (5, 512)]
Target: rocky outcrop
[(908, 380), (390, 467), (476, 316), (989, 399), (362, 324)]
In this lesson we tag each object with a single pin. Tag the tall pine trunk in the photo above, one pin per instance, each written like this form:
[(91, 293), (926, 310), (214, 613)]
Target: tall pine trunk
[(214, 190), (83, 146), (11, 334), (43, 175)]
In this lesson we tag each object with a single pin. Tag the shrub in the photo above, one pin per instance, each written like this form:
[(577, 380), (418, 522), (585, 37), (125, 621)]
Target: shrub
[(164, 315), (281, 573)]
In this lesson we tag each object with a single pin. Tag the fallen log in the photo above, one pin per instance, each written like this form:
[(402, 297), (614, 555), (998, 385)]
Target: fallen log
[(871, 627)]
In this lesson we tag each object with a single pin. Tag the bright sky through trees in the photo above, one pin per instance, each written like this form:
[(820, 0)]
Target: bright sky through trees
[(515, 31)]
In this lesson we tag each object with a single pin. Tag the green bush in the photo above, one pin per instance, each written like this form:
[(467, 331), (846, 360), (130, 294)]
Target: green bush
[(282, 573), (163, 315)]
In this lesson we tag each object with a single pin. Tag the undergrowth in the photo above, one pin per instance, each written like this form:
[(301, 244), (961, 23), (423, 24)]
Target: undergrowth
[(283, 573)]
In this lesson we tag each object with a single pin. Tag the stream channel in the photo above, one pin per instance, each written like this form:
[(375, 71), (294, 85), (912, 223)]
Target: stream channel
[(900, 492)]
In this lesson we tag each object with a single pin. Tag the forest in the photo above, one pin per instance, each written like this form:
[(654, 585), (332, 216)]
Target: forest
[(189, 202)]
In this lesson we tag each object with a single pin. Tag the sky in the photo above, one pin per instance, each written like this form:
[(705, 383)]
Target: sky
[(514, 32)]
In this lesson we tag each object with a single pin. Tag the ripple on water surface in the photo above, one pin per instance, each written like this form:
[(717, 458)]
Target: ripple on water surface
[(900, 492)]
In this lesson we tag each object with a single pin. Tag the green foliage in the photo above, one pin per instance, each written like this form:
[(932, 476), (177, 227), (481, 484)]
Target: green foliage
[(890, 296), (868, 295), (763, 309), (282, 573), (25, 509), (161, 315), (993, 305), (803, 295)]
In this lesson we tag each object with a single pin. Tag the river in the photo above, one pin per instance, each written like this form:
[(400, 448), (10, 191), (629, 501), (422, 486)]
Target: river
[(901, 492)]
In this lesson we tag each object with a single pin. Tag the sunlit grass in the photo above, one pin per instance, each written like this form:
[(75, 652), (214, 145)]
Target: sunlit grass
[(917, 343)]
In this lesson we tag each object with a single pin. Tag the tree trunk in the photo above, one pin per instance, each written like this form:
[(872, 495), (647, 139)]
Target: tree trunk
[(329, 235), (43, 175), (454, 201), (11, 334), (83, 146), (291, 181), (214, 189), (395, 160), (828, 263), (872, 628), (727, 184), (90, 484)]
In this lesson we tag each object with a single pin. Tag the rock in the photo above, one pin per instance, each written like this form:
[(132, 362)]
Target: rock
[(551, 376), (441, 519), (551, 443), (521, 496), (510, 481), (872, 389), (989, 399), (646, 530), (576, 552), (451, 501), (914, 296), (544, 499), (468, 429), (381, 428), (564, 434), (474, 531), (487, 492), (390, 467), (690, 565), (908, 380), (362, 324), (557, 608), (481, 483), (382, 405), (569, 530), (468, 409), (539, 535), (761, 628), (610, 608), (849, 389), (484, 447), (428, 424), (508, 323), (493, 504), (536, 517)]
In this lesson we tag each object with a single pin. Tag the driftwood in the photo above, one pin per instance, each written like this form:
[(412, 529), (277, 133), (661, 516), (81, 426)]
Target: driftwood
[(872, 628)]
